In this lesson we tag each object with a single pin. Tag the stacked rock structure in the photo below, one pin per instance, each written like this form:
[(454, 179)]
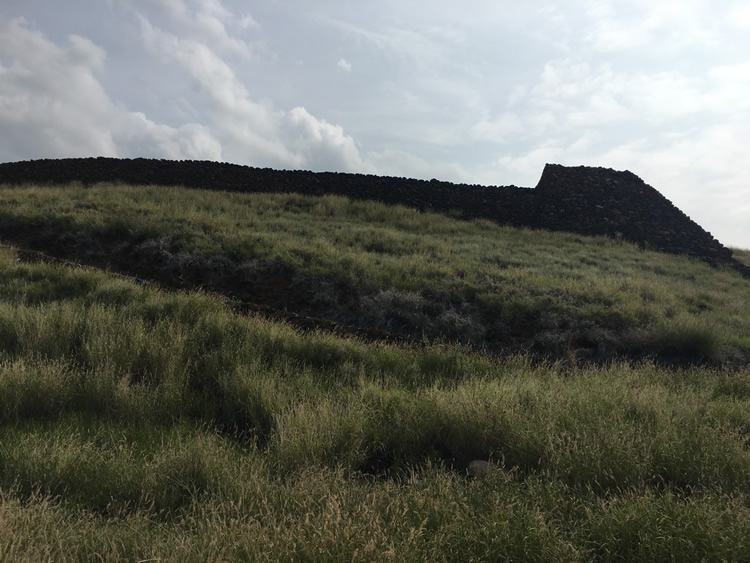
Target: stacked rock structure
[(584, 200)]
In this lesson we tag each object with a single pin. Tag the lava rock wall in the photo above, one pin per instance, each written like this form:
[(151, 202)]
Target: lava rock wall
[(585, 200), (600, 201)]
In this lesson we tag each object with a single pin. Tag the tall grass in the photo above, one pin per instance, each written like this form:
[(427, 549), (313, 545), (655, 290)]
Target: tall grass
[(139, 424), (397, 269), (742, 254)]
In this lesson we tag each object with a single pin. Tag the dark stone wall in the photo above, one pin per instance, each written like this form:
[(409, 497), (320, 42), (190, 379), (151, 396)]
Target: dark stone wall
[(585, 200), (601, 201)]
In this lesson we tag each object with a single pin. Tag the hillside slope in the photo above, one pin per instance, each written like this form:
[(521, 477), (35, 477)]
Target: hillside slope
[(138, 424), (584, 200), (395, 270), (477, 392)]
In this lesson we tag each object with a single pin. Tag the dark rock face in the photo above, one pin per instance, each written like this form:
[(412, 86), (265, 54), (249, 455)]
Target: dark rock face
[(585, 200), (601, 201)]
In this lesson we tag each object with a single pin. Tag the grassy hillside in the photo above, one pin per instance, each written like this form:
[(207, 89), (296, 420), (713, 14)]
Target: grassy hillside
[(742, 255), (138, 423), (396, 269)]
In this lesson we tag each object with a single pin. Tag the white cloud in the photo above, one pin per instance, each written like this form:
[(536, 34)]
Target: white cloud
[(208, 23), (501, 129), (84, 51), (739, 15), (730, 85), (581, 96), (248, 22), (253, 132), (323, 146), (665, 26), (53, 105), (344, 64)]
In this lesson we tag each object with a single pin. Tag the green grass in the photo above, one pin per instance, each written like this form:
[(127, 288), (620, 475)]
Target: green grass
[(139, 424), (742, 255), (396, 269)]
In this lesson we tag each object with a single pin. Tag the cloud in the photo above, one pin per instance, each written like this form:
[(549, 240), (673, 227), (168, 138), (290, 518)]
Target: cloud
[(738, 16), (500, 129), (209, 23), (248, 22), (344, 64), (321, 143), (730, 85), (249, 131), (573, 96), (87, 54), (667, 26), (53, 105)]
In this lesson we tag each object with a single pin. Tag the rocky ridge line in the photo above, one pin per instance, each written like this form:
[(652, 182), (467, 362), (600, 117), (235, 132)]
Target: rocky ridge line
[(583, 200)]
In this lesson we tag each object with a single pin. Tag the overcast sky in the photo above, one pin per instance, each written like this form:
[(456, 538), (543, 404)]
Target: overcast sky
[(477, 91)]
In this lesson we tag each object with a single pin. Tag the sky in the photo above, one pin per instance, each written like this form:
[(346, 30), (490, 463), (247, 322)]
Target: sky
[(477, 91)]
